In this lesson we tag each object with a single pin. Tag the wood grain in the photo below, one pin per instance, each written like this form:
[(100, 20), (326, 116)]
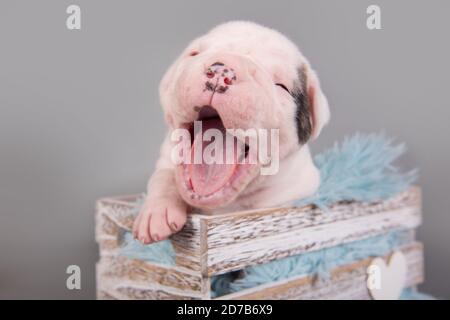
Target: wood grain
[(142, 271), (123, 278), (346, 282), (213, 244), (239, 239), (298, 241), (227, 229)]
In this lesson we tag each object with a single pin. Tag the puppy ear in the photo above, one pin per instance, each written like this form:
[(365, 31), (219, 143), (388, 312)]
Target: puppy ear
[(318, 103), (313, 112)]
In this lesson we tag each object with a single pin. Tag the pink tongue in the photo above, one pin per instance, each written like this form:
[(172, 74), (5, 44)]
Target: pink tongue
[(208, 178)]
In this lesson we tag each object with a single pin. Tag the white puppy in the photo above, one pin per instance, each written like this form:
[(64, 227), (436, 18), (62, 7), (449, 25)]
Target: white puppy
[(240, 75)]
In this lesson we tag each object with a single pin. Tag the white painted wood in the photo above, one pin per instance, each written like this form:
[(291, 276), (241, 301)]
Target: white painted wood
[(297, 241), (346, 282), (123, 278), (231, 241), (210, 245), (236, 227)]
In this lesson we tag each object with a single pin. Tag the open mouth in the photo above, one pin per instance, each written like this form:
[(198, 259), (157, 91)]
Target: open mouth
[(220, 166)]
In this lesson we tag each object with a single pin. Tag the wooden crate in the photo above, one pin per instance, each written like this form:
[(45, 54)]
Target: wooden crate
[(214, 244)]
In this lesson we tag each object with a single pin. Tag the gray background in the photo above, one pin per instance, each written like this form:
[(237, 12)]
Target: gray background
[(80, 117)]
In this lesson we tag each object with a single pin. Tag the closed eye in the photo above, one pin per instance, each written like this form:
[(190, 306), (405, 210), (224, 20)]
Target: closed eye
[(283, 86)]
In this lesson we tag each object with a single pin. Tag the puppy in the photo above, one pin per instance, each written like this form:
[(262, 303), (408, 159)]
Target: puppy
[(244, 76)]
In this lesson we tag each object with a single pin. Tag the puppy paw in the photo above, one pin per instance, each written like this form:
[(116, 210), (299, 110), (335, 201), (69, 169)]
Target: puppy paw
[(158, 221)]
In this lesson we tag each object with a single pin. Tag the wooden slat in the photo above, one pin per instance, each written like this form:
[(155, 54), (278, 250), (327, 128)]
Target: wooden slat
[(231, 228), (215, 244), (127, 290), (297, 241), (124, 278), (241, 239), (118, 210), (346, 282), (138, 270)]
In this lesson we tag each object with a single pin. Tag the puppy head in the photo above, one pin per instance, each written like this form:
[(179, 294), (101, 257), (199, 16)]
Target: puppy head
[(240, 75)]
